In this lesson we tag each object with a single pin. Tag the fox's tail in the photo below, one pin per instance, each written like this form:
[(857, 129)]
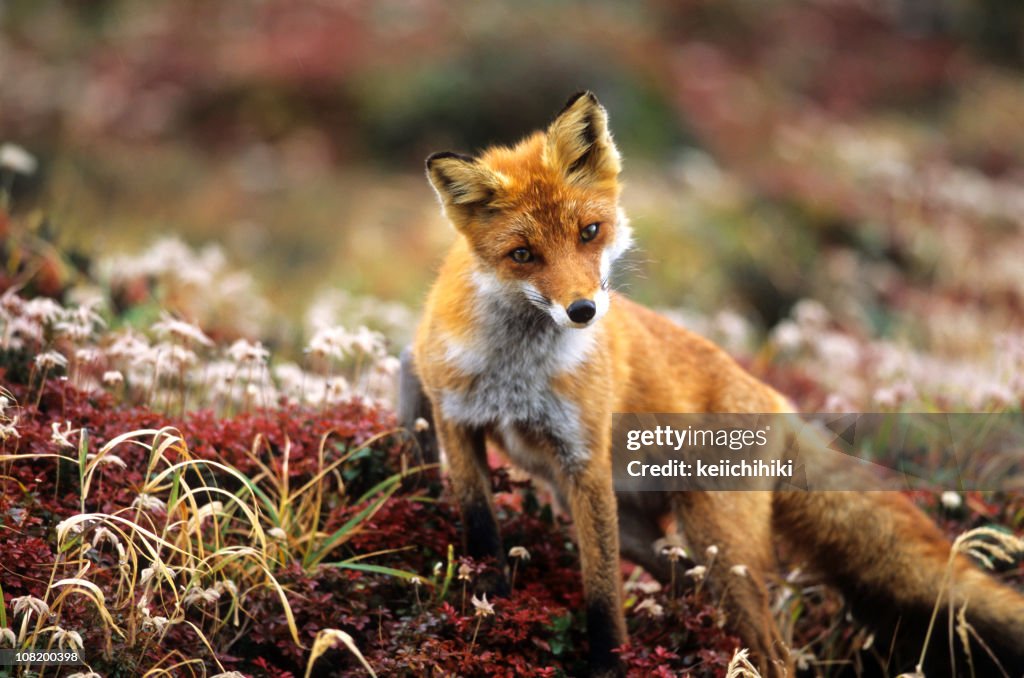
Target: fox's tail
[(414, 411), (893, 564)]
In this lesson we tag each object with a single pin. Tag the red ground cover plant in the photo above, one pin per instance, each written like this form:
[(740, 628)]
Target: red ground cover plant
[(403, 626)]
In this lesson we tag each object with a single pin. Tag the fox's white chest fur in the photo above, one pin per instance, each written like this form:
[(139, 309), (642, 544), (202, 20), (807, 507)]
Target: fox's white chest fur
[(514, 355)]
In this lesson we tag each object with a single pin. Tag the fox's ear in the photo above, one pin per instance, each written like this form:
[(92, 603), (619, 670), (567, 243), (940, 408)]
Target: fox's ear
[(579, 143), (462, 183)]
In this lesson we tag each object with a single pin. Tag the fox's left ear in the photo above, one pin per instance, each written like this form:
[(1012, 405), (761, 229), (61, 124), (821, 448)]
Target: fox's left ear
[(580, 145), (463, 184)]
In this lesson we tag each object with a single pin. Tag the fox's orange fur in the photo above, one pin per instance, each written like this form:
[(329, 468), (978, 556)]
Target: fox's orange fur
[(505, 356)]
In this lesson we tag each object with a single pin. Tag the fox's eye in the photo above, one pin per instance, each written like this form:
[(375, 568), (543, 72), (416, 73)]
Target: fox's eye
[(521, 255), (589, 232)]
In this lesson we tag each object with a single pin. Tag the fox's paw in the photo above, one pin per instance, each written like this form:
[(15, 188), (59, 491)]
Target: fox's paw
[(606, 670), (493, 582)]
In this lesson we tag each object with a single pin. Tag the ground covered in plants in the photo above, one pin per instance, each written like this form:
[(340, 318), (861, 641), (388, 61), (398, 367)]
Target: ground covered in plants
[(172, 501), (238, 542), (214, 234)]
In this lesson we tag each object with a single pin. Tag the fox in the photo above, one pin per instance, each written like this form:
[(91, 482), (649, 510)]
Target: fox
[(524, 346)]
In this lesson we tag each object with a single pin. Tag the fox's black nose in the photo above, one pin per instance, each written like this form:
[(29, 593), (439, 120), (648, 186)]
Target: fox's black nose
[(581, 310)]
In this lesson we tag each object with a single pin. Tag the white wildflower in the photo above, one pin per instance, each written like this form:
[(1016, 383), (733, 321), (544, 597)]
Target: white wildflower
[(62, 438), (181, 331), (75, 330), (697, 572), (103, 534), (804, 659), (367, 341), (951, 500), (337, 389), (30, 605), (67, 640), (9, 430), (647, 587), (88, 355), (148, 502), (330, 342), (155, 624), (21, 331), (43, 309), (85, 313), (389, 365), (200, 596), (174, 356), (11, 303), (421, 425), (837, 350), (994, 395), (226, 585), (811, 314), (837, 403), (482, 607), (739, 570), (787, 336), (893, 396), (7, 637), (113, 378), (50, 359), (651, 607), (15, 158), (128, 346), (674, 553), (245, 352), (158, 571), (733, 330)]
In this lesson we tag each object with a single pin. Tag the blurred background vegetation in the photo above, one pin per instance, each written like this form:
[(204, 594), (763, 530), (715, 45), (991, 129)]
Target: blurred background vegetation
[(866, 153)]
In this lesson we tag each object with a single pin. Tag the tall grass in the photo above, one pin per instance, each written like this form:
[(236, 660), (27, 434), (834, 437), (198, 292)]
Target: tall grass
[(188, 550)]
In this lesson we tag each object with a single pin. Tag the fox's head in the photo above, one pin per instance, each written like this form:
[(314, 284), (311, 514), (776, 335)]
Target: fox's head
[(542, 218)]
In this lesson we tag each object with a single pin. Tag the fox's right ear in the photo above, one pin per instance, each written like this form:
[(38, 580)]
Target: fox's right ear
[(462, 183), (580, 145)]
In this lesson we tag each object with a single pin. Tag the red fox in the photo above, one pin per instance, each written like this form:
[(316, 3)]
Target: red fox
[(523, 344)]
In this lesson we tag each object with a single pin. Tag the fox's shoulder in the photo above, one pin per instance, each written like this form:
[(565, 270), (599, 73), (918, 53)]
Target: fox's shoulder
[(661, 362)]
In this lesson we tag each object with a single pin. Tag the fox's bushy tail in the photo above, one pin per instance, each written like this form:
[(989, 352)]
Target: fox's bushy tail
[(893, 564)]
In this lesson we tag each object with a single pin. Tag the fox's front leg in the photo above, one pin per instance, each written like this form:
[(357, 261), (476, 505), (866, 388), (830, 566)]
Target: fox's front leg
[(594, 512), (471, 484)]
